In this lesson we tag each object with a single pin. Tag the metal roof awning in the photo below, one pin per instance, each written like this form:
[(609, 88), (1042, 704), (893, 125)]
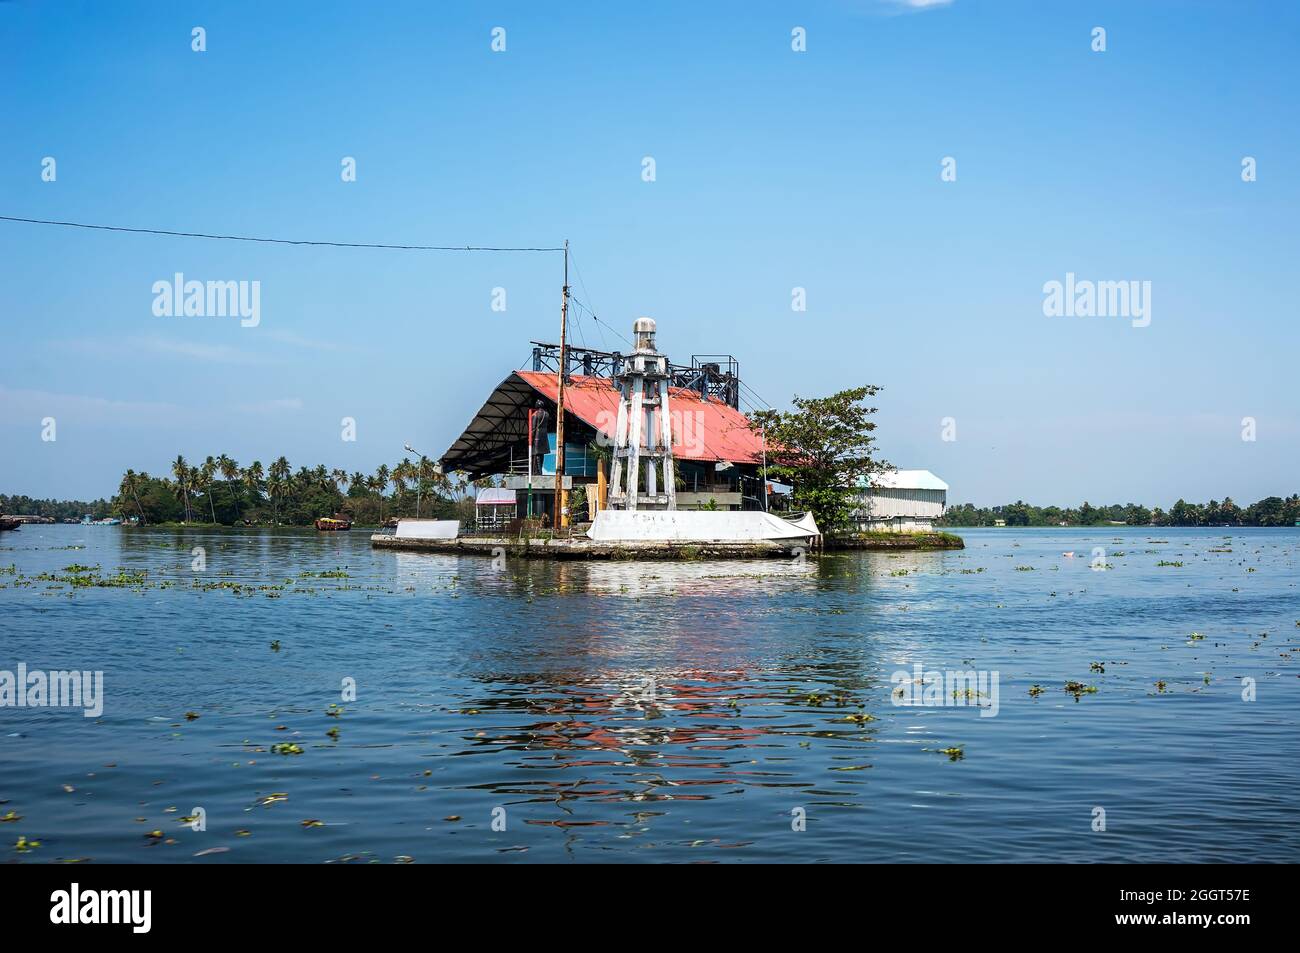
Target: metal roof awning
[(705, 430), (502, 421), (496, 496)]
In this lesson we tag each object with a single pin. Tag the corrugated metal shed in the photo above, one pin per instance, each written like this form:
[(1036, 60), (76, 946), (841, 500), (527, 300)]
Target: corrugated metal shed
[(907, 480)]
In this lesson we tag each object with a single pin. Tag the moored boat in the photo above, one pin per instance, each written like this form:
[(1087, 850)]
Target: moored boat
[(332, 523), (7, 523)]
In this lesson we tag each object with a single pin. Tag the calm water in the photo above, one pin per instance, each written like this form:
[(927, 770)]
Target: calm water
[(649, 712)]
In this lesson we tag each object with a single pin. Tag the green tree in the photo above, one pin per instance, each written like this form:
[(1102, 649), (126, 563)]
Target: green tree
[(823, 449), (229, 472), (181, 471), (206, 474)]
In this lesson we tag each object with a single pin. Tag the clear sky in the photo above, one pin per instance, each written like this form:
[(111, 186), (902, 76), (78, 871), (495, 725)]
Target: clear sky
[(774, 169)]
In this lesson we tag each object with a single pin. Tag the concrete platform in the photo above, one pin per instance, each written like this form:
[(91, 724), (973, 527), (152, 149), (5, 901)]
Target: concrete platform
[(584, 548)]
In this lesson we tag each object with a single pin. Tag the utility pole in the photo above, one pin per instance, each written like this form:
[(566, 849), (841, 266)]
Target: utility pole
[(561, 501)]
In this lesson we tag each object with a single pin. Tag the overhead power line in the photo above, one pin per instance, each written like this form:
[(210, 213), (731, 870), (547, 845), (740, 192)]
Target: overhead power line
[(277, 241)]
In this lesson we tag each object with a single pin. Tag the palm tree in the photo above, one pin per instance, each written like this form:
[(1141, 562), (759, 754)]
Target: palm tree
[(278, 483), (426, 472), (358, 481), (253, 476), (401, 473), (128, 486), (181, 470), (377, 483), (195, 480), (340, 479), (207, 472), (229, 470)]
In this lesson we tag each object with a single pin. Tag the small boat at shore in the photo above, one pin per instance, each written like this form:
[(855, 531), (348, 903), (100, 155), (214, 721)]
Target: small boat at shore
[(332, 524), (7, 523)]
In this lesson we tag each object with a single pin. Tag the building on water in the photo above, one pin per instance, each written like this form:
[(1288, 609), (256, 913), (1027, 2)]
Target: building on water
[(714, 457), (900, 501)]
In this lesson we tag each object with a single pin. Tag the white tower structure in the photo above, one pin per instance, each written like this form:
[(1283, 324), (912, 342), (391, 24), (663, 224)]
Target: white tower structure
[(643, 437)]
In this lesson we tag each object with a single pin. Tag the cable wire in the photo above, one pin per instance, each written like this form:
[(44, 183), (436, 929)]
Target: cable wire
[(276, 241)]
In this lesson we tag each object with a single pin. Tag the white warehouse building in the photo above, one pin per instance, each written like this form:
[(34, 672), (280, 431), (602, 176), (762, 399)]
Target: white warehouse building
[(901, 501)]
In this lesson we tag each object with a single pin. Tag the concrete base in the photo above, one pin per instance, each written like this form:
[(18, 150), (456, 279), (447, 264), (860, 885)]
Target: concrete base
[(699, 526), (584, 548), (427, 529)]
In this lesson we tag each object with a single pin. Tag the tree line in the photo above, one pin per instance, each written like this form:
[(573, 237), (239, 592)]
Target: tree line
[(21, 505), (219, 490), (1270, 511)]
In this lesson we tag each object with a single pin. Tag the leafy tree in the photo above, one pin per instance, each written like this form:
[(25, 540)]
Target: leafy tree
[(823, 449), (181, 471)]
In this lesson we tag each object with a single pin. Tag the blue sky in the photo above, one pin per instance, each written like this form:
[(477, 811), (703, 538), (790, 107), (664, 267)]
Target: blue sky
[(775, 169)]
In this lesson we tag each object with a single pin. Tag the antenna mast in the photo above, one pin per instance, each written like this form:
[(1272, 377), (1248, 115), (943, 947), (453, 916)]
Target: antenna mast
[(561, 498)]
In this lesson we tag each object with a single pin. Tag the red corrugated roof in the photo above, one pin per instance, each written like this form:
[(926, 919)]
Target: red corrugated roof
[(703, 429)]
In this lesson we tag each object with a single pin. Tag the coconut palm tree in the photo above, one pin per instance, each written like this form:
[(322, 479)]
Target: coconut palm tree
[(129, 487), (196, 482), (253, 477), (378, 483), (278, 484), (207, 472), (181, 471), (401, 473), (229, 471)]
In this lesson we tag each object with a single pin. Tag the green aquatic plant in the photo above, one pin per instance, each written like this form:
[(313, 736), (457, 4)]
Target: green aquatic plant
[(23, 845), (1164, 562), (286, 747), (123, 580), (860, 718), (1097, 667), (1161, 685), (955, 753), (1036, 690), (1079, 689)]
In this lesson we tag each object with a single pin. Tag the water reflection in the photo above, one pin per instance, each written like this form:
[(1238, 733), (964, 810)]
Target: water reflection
[(658, 710)]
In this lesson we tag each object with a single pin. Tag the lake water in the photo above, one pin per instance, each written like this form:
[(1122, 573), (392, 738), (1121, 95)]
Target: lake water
[(742, 711)]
